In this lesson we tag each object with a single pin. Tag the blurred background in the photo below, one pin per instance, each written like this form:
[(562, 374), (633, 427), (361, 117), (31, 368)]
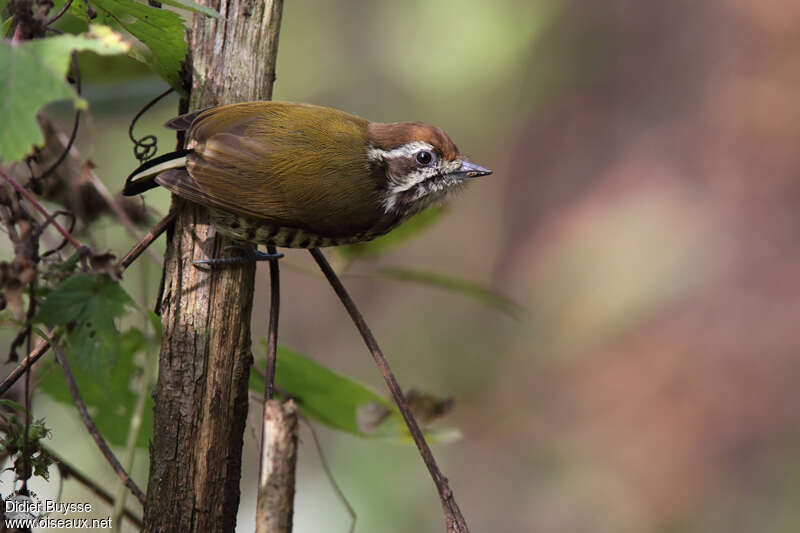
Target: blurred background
[(644, 211)]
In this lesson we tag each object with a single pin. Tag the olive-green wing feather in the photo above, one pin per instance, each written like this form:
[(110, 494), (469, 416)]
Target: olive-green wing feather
[(293, 165)]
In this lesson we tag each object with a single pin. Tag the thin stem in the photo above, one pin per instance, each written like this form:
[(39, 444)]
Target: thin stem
[(113, 204), (92, 429), (145, 148), (60, 13), (67, 148), (42, 348), (26, 453), (19, 370), (272, 335), (134, 428), (35, 203), (453, 518), (148, 239), (331, 479), (68, 471), (74, 134)]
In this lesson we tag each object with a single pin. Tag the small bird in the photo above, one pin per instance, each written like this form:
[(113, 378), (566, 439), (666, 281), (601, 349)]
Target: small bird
[(305, 176)]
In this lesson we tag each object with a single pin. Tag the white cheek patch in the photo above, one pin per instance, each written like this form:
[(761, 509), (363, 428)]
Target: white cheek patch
[(415, 178), (419, 195), (418, 186)]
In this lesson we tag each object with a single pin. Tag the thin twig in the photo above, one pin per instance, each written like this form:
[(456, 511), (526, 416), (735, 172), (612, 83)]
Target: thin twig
[(64, 242), (67, 148), (19, 370), (113, 204), (157, 230), (74, 134), (60, 13), (68, 471), (42, 348), (272, 335), (26, 453), (329, 473), (146, 147), (454, 520), (133, 431), (92, 429), (35, 203)]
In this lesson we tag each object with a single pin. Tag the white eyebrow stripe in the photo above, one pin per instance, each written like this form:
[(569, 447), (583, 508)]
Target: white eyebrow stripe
[(376, 154)]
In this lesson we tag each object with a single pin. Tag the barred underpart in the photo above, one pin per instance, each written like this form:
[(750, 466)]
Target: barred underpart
[(259, 232)]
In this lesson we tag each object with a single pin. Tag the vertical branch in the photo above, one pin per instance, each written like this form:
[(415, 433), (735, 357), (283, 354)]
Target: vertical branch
[(277, 471), (454, 520), (278, 457), (201, 391)]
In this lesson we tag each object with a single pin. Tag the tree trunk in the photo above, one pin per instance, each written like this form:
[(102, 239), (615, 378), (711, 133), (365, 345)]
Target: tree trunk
[(201, 393)]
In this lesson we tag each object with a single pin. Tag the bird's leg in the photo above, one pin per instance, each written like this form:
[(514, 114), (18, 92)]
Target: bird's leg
[(249, 253)]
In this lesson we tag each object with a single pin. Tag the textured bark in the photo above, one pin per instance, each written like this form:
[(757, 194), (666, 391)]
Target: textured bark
[(201, 393), (278, 465)]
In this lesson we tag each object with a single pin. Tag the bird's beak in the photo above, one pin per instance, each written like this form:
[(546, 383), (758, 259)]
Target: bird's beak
[(471, 170)]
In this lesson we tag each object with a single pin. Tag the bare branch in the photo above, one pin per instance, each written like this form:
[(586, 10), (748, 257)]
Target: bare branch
[(35, 203), (454, 520), (329, 474), (68, 471), (92, 429), (148, 239), (19, 370)]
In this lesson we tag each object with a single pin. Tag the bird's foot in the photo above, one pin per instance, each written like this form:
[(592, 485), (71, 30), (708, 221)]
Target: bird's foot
[(249, 254)]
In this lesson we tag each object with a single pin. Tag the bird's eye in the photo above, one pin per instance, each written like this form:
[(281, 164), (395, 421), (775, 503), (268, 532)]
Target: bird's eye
[(424, 157)]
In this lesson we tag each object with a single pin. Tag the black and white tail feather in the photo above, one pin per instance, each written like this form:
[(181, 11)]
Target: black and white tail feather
[(144, 178)]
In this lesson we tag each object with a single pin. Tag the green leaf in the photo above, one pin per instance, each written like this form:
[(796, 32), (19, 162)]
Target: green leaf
[(9, 404), (411, 228), (85, 307), (55, 52), (322, 394), (451, 283), (32, 76), (160, 31), (193, 7), (5, 26), (111, 401), (337, 401)]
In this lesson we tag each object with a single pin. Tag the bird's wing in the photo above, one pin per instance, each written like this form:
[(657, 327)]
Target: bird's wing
[(288, 164)]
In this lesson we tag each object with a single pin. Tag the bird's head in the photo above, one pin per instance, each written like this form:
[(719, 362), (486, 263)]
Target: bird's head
[(418, 163)]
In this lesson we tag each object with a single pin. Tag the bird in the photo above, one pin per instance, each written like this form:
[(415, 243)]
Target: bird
[(299, 175)]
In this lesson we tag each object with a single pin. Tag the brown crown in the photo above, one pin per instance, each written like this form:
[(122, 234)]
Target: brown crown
[(388, 136)]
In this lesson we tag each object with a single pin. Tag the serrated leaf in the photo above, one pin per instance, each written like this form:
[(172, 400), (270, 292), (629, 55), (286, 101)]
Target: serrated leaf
[(452, 283), (409, 229), (32, 76), (84, 307), (111, 401), (161, 33), (335, 400)]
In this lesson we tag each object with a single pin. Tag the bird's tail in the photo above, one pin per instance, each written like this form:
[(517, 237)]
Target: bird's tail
[(144, 178)]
